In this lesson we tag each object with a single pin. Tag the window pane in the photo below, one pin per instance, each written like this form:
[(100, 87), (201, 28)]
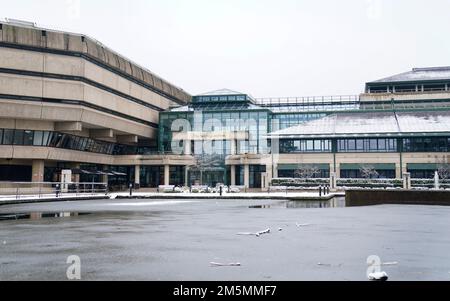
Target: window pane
[(18, 137), (28, 138), (37, 139)]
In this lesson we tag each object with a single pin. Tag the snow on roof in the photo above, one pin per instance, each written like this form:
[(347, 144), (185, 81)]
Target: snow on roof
[(371, 123), (419, 74)]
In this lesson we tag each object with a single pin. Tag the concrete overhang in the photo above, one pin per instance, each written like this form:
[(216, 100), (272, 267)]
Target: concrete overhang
[(103, 133), (71, 126)]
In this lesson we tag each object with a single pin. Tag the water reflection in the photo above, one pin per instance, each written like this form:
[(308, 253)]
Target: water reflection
[(332, 203), (39, 215)]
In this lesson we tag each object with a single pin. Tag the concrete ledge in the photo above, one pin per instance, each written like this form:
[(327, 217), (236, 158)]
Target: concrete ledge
[(367, 197), (52, 200), (177, 196)]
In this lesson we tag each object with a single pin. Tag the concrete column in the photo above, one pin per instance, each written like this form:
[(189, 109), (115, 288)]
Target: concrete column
[(186, 175), (75, 177), (233, 175), (406, 180), (247, 176), (333, 182), (37, 171), (187, 147), (398, 171), (233, 146), (166, 174), (104, 178), (269, 173), (137, 175), (275, 171)]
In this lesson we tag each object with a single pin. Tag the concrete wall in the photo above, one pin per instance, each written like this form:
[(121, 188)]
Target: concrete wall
[(404, 96), (60, 41), (408, 197)]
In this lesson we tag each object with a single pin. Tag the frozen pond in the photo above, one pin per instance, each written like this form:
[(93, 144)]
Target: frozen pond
[(177, 240)]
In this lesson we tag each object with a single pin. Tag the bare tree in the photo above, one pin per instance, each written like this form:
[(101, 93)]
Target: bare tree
[(368, 172), (307, 172), (443, 168)]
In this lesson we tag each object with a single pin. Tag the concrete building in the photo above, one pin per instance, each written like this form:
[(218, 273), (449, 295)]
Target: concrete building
[(69, 102)]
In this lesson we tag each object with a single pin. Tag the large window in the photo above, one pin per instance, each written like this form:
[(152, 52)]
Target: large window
[(66, 141), (432, 144), (305, 146), (378, 173), (367, 145)]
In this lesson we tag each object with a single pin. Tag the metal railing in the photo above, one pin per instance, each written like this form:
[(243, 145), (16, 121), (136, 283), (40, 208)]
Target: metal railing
[(23, 190), (307, 100)]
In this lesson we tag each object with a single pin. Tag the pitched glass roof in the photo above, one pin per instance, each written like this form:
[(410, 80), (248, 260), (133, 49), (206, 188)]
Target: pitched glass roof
[(222, 92), (372, 123), (238, 106)]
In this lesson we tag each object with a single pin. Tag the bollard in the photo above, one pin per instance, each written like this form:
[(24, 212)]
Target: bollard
[(320, 191), (221, 190), (131, 189), (57, 190)]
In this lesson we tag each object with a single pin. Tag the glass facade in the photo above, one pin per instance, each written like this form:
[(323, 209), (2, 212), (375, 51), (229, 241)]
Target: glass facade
[(253, 123), (367, 145), (288, 120), (430, 144), (305, 146), (67, 141)]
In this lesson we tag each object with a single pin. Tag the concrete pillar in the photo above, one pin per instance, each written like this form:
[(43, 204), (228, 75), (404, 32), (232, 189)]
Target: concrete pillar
[(247, 176), (233, 147), (186, 176), (406, 180), (333, 182), (187, 147), (137, 175), (398, 171), (233, 175), (275, 171), (75, 177), (104, 178), (269, 173), (166, 174), (37, 171)]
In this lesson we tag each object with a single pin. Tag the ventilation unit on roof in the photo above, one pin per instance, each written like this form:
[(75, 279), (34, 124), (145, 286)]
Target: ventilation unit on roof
[(444, 68), (20, 22)]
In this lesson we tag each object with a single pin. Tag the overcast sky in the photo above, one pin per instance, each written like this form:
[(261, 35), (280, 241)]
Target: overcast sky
[(264, 48)]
